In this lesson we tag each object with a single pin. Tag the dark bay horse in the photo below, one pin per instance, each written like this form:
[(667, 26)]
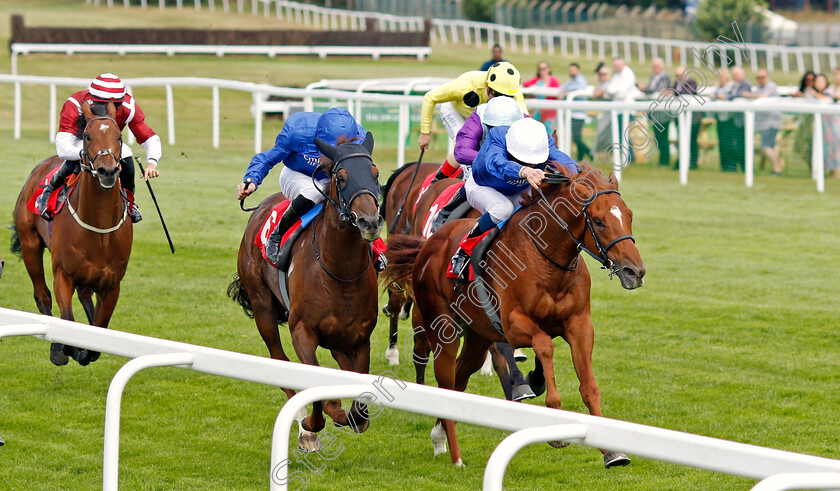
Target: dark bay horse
[(332, 281), (90, 241), (399, 194), (535, 280)]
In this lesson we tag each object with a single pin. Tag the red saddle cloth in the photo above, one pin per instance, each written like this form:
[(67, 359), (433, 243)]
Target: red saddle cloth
[(58, 198), (423, 187), (439, 203), (270, 224)]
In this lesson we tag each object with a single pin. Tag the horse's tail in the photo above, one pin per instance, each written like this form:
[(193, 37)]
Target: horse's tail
[(237, 292), (401, 253), (16, 247), (383, 190)]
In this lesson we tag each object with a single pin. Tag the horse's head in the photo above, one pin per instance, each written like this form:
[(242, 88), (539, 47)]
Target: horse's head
[(608, 222), (354, 188), (102, 141)]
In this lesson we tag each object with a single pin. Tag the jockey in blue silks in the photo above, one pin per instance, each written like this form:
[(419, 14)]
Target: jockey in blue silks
[(511, 159), (295, 147)]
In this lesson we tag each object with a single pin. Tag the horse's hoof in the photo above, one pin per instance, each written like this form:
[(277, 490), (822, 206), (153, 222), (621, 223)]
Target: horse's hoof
[(82, 356), (522, 392), (392, 354), (558, 444), (362, 427), (57, 356), (459, 463), (2, 442), (94, 355), (309, 442), (615, 459), (438, 439), (538, 389), (519, 355), (487, 368)]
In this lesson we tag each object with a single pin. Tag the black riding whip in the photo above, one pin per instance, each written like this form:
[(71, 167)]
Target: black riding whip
[(149, 185), (407, 192)]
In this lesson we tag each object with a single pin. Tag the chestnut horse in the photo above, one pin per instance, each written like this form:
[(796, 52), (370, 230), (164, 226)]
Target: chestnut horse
[(534, 278), (90, 241), (332, 281)]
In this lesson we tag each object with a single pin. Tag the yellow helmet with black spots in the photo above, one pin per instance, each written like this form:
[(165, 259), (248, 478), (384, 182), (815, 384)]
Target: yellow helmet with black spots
[(504, 78)]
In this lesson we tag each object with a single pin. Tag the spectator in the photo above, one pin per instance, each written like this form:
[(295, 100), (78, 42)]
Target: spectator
[(740, 86), (622, 87), (603, 135), (659, 81), (830, 125), (768, 124), (807, 81), (725, 125), (686, 85), (544, 78), (579, 118), (497, 57), (834, 90)]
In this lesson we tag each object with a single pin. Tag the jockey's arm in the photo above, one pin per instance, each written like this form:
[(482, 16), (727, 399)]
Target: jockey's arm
[(263, 162), (560, 157), (147, 138), (67, 146)]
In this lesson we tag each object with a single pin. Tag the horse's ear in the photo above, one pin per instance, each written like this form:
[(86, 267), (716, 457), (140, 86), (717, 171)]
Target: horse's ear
[(112, 110), (325, 148), (86, 110), (368, 143), (613, 181)]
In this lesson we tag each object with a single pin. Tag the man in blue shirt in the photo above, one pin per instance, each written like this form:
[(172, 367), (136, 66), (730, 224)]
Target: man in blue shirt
[(578, 82), (497, 57), (295, 147), (511, 159)]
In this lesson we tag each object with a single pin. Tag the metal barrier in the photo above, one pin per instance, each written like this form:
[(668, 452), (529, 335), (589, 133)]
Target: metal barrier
[(644, 441)]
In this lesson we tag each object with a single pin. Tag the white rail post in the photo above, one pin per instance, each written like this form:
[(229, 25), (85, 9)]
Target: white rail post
[(52, 113), (817, 157), (283, 425), (258, 120), (494, 471), (616, 144), (749, 147), (683, 146), (17, 110), (170, 114), (111, 449), (402, 133), (799, 480), (215, 116)]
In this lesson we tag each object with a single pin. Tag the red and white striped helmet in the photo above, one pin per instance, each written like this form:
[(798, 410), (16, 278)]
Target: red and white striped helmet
[(107, 87)]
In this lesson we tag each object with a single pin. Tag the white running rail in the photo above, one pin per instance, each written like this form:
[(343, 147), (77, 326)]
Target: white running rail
[(639, 440)]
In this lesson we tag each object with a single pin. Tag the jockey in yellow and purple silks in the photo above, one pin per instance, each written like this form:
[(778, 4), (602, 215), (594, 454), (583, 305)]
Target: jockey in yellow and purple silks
[(459, 98), (511, 160)]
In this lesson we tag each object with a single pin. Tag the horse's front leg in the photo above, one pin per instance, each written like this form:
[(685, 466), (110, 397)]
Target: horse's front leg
[(106, 302), (580, 335), (64, 288), (305, 342)]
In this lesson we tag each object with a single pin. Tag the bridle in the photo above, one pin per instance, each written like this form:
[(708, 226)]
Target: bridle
[(601, 256), (344, 203), (85, 156)]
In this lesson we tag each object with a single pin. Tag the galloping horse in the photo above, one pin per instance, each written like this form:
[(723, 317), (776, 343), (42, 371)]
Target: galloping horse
[(534, 278), (332, 281), (90, 243)]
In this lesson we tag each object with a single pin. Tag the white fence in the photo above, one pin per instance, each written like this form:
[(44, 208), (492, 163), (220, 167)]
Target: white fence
[(354, 100), (530, 423), (567, 43)]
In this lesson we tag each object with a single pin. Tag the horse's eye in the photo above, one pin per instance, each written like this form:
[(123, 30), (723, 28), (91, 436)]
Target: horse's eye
[(87, 138), (598, 222)]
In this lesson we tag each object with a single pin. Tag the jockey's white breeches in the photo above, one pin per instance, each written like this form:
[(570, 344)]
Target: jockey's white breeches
[(294, 183), (451, 119), (487, 200)]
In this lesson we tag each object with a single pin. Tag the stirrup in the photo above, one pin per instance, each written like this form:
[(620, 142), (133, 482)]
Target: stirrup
[(42, 203), (134, 213), (460, 265)]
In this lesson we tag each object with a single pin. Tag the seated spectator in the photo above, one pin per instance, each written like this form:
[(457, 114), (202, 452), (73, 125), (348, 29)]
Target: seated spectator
[(544, 78), (497, 57), (834, 90), (659, 81), (579, 118), (768, 124)]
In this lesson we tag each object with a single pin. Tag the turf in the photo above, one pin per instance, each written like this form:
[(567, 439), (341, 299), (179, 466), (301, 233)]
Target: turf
[(732, 336)]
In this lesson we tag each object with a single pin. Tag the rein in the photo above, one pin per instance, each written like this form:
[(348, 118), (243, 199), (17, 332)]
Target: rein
[(343, 206), (601, 256)]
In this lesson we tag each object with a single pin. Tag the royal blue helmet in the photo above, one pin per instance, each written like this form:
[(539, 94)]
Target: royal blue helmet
[(335, 123)]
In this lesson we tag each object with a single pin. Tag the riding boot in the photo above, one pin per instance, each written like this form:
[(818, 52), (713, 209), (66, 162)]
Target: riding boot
[(296, 209), (56, 181), (443, 215), (446, 171), (127, 182), (461, 260)]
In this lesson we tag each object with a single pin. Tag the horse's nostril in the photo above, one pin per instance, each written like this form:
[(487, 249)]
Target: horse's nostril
[(629, 272)]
